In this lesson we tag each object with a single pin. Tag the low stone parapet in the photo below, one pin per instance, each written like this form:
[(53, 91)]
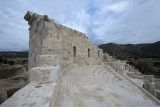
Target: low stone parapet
[(32, 95), (43, 75)]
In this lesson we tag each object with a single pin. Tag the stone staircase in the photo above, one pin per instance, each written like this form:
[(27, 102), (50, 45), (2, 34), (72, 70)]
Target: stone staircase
[(98, 86)]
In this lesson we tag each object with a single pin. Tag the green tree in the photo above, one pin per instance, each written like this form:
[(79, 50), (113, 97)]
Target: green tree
[(144, 68)]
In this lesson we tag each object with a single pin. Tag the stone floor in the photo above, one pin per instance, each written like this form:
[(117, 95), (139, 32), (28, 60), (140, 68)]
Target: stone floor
[(99, 86)]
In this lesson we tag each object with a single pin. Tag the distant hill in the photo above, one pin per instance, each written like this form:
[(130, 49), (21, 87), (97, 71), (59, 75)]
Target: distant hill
[(144, 50), (14, 54)]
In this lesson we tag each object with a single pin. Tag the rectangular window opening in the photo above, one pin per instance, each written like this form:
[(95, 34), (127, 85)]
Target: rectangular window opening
[(98, 53), (88, 53), (74, 51)]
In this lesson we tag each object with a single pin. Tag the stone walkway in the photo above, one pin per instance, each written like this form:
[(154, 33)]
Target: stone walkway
[(99, 86)]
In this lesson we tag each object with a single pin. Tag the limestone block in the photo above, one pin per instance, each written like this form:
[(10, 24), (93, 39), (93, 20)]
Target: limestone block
[(48, 60), (51, 51), (43, 75), (66, 64), (51, 44), (51, 31), (35, 76), (32, 95), (65, 58)]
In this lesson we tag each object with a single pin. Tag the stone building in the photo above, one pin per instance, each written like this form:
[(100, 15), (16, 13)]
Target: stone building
[(67, 70)]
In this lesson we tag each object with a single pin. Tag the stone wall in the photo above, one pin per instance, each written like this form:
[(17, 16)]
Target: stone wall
[(49, 38), (85, 52)]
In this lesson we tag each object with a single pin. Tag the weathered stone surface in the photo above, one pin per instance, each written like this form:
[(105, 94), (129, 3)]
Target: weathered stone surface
[(44, 74), (48, 60), (51, 44), (32, 95)]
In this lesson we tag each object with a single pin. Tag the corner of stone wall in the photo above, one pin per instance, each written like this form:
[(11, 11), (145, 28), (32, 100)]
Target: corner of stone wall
[(45, 54)]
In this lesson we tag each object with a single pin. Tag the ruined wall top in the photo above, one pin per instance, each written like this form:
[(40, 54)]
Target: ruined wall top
[(31, 17)]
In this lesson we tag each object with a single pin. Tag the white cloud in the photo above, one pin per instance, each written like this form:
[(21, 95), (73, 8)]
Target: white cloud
[(118, 7), (122, 21)]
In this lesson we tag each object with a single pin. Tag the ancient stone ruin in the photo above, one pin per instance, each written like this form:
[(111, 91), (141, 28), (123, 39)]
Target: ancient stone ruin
[(67, 70)]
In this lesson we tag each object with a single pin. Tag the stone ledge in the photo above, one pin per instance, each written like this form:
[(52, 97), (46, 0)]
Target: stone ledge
[(32, 95), (43, 75)]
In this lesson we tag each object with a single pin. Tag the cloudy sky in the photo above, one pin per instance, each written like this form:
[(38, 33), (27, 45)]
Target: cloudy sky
[(103, 21)]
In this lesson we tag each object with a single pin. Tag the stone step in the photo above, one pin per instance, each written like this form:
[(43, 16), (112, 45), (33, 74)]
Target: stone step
[(101, 71), (97, 70), (48, 60), (43, 75)]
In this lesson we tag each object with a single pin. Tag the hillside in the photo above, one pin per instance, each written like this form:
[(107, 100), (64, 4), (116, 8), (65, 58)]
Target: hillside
[(14, 54), (145, 50)]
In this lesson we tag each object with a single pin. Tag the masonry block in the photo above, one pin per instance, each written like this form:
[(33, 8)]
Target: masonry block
[(51, 44), (48, 60), (51, 51), (43, 75)]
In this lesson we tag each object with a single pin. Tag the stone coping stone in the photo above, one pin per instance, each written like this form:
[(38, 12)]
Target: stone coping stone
[(44, 74), (32, 95)]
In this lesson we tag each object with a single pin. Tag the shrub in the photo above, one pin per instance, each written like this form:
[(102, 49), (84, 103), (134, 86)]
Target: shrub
[(1, 60), (5, 61), (135, 58), (10, 62), (144, 68), (156, 64), (130, 63)]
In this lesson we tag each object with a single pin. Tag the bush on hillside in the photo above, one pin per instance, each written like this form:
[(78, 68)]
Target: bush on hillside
[(1, 60), (10, 62), (144, 68), (5, 61)]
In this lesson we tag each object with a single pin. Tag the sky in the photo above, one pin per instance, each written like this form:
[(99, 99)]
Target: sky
[(103, 21)]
